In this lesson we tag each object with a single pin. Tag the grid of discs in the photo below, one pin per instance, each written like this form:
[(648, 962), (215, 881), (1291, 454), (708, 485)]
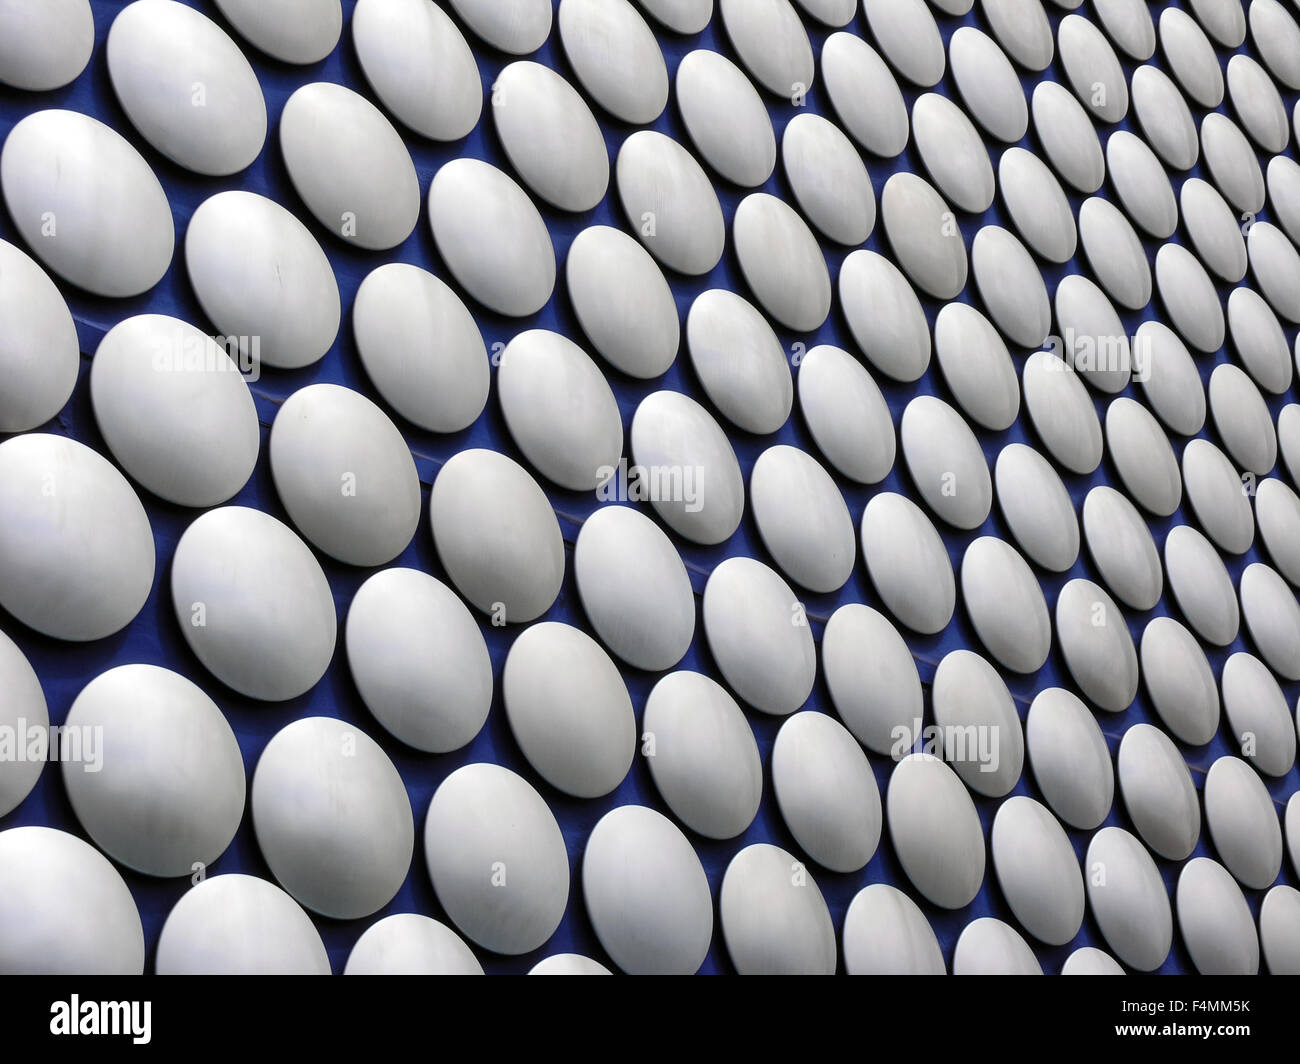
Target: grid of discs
[(643, 298)]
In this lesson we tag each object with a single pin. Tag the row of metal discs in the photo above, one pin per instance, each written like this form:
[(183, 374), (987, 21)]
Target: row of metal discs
[(348, 483)]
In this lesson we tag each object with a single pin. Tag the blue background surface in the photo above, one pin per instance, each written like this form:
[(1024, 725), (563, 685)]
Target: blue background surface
[(154, 637)]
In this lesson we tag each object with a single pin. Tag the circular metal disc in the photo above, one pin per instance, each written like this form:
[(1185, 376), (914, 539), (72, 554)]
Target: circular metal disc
[(1037, 508), (726, 118), (491, 237), (1232, 163), (1069, 757), (1140, 450), (262, 279), (1218, 497), (517, 27), (569, 709), (1141, 184), (560, 409), (293, 31), (496, 858), (865, 95), (496, 535), (166, 794), (1224, 20), (1129, 24), (988, 946), (955, 157), (774, 918), (1242, 418), (908, 563), (76, 547), (1283, 178), (977, 366), (237, 924), (1062, 412), (1277, 39), (23, 708), (345, 475), (885, 933), (692, 478), (433, 702), (1093, 68), (1037, 205), (740, 361), (1201, 585), (826, 791), (1022, 29), (1006, 605), (1288, 439), (782, 261), (1279, 930), (410, 944), (1258, 104), (772, 43), (935, 830), (1158, 792), (1243, 823), (978, 724), (39, 350), (759, 636), (332, 817), (671, 202), (1258, 340), (802, 519), (1277, 512), (569, 963), (1275, 265), (646, 893), (87, 203), (45, 46), (420, 66), (350, 166), (253, 603), (1272, 618), (687, 17), (1088, 960), (828, 178), (550, 136), (1189, 298), (846, 414), (1122, 548), (1215, 920), (884, 315), (1094, 341), (906, 32), (1094, 638), (1214, 230), (622, 302), (1128, 899), (1164, 117), (1171, 383), (1179, 681), (186, 87), (615, 57), (1068, 136), (634, 588), (1259, 715), (1037, 870), (871, 677), (929, 248), (705, 761), (988, 83), (174, 410), (946, 462), (1011, 286), (1114, 253), (1190, 57), (421, 348), (64, 910)]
